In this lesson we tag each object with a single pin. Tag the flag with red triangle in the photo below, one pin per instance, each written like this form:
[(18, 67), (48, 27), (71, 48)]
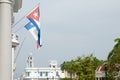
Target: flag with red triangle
[(34, 18)]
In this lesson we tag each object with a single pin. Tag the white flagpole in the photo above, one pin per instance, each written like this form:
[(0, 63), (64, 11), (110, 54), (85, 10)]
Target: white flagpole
[(5, 40)]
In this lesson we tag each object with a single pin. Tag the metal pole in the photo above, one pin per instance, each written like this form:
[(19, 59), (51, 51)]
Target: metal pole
[(5, 40)]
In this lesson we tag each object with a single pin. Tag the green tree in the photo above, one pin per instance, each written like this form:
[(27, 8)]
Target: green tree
[(69, 67), (114, 55), (84, 67), (114, 59), (87, 66)]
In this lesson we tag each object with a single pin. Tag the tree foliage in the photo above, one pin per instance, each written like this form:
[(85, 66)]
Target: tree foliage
[(114, 55), (84, 67), (114, 59)]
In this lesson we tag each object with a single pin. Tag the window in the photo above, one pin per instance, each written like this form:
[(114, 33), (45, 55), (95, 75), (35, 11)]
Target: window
[(46, 74), (28, 74), (30, 64), (57, 74), (40, 73)]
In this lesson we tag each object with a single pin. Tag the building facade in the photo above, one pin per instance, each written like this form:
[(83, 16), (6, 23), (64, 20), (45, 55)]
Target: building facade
[(46, 73)]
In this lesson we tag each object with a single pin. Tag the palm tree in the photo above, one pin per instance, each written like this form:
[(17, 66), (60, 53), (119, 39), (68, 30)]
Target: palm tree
[(84, 67), (69, 67), (114, 58), (115, 53)]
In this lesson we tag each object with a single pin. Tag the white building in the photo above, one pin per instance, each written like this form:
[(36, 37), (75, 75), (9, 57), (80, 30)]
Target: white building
[(47, 73), (100, 73)]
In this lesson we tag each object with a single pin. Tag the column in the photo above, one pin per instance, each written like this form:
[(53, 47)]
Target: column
[(5, 40)]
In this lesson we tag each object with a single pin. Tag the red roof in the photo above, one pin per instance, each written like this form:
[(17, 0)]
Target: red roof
[(100, 68)]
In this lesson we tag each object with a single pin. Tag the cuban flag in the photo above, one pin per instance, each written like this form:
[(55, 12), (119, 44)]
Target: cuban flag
[(34, 25)]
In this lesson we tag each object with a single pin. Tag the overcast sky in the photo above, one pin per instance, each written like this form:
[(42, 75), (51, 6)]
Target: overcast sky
[(69, 28)]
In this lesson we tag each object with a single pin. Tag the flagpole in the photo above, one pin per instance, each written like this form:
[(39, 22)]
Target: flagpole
[(20, 48), (5, 40)]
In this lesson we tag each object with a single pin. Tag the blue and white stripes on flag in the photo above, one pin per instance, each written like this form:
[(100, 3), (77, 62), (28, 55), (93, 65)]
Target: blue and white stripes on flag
[(34, 25)]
